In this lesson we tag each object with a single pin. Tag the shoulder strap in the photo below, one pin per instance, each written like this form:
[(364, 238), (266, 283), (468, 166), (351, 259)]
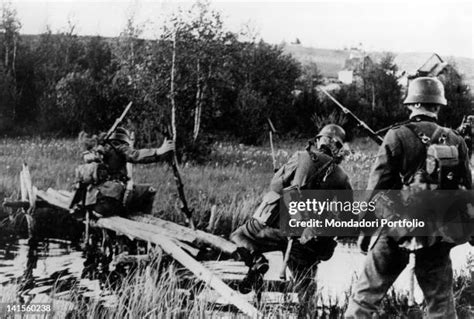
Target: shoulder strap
[(422, 137), (321, 173)]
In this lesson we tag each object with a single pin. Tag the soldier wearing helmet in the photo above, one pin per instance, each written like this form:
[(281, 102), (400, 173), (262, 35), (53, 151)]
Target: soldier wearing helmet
[(261, 234), (105, 174), (400, 157), (466, 130)]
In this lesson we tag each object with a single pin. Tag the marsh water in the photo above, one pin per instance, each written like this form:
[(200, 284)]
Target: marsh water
[(59, 264)]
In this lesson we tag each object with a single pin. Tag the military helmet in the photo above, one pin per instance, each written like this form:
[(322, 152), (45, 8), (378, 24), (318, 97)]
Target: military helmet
[(121, 134), (425, 90), (333, 131)]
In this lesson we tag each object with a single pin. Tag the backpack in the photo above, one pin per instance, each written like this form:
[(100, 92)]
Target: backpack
[(438, 171), (440, 168)]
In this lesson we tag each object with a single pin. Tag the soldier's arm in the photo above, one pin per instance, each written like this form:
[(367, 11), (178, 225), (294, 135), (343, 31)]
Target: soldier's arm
[(284, 175), (385, 173), (138, 156)]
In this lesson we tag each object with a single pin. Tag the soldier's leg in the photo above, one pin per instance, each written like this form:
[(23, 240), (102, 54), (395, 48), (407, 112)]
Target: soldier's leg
[(382, 266), (254, 238), (304, 279), (304, 260), (435, 275)]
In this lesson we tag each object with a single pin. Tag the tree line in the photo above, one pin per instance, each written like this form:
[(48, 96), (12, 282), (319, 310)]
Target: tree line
[(226, 84)]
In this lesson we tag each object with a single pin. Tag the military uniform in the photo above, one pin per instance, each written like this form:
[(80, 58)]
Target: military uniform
[(398, 159), (465, 130), (107, 167), (257, 237)]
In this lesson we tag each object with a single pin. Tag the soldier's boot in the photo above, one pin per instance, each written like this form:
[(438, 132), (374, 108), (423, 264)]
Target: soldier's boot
[(254, 278)]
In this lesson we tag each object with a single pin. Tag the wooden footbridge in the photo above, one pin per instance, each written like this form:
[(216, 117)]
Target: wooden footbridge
[(181, 243)]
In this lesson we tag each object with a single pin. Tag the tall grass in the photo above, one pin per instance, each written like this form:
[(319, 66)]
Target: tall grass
[(233, 180)]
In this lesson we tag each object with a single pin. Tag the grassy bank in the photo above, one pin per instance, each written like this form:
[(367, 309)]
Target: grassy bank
[(234, 180)]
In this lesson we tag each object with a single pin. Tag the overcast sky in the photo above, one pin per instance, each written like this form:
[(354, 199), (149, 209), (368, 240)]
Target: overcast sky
[(402, 26)]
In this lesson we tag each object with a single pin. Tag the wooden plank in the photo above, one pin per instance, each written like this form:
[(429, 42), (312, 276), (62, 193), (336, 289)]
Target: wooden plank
[(23, 194), (266, 298), (212, 219), (227, 270), (16, 203), (59, 197), (29, 187), (171, 248), (53, 200), (136, 231), (178, 231), (155, 224), (64, 192), (167, 228)]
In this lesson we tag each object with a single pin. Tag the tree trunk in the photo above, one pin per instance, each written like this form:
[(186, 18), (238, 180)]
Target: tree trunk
[(197, 108), (172, 93)]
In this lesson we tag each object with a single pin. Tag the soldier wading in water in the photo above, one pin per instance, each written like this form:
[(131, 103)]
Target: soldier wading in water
[(309, 169)]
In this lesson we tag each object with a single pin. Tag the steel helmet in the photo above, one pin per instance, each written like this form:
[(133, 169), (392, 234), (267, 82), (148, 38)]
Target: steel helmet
[(121, 134), (425, 90), (333, 131)]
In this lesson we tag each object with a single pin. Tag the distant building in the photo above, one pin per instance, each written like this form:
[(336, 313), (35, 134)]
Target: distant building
[(345, 76), (354, 66), (433, 65)]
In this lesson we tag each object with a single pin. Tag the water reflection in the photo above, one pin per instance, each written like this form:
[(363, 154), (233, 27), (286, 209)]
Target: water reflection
[(61, 265)]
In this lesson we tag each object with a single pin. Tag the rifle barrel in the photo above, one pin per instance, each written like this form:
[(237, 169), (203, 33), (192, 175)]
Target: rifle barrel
[(119, 120), (344, 109)]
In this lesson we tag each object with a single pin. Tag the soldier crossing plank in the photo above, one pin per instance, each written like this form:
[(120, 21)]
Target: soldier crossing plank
[(309, 169), (105, 176)]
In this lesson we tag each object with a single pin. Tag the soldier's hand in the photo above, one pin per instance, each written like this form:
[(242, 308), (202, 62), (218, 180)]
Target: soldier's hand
[(166, 147)]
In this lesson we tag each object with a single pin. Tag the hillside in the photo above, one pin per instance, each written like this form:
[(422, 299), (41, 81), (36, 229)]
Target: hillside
[(331, 61)]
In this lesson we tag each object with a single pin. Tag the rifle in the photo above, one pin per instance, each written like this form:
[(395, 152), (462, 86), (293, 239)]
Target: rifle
[(373, 135), (173, 162), (118, 121)]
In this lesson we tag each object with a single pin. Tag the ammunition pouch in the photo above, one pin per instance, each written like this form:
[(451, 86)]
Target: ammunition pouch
[(268, 211), (441, 166)]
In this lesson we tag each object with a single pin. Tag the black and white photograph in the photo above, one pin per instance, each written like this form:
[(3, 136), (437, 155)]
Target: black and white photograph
[(236, 159)]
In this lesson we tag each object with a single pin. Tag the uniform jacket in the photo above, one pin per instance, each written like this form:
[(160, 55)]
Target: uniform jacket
[(113, 170), (402, 153), (298, 171), (117, 155)]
